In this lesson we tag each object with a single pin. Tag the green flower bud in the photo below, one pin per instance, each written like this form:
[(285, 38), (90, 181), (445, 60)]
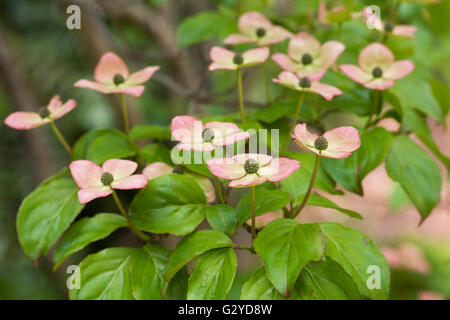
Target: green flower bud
[(377, 72), (307, 59), (321, 143), (251, 166), (118, 79), (107, 178), (238, 59), (305, 83)]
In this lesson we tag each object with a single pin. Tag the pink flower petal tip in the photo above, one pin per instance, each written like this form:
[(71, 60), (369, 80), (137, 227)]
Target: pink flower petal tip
[(228, 60)]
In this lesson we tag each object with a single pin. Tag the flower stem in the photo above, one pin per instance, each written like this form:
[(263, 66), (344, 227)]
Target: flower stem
[(266, 83), (138, 232), (60, 137), (294, 120), (219, 190), (308, 192), (241, 96), (253, 214), (373, 110), (125, 113)]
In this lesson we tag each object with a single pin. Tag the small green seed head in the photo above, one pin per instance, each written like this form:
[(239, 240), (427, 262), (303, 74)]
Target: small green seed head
[(307, 59), (107, 178), (207, 135), (388, 26), (118, 79), (305, 83), (238, 59), (260, 32), (251, 166), (321, 143), (377, 72), (177, 169), (44, 112)]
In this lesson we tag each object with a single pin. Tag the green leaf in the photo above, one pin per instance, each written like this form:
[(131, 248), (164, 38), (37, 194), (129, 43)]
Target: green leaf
[(265, 201), (222, 218), (320, 201), (416, 172), (150, 132), (171, 203), (213, 275), (45, 214), (259, 287), (155, 152), (356, 253), (193, 246), (441, 93), (200, 27), (103, 144), (274, 112), (105, 275), (286, 246), (85, 231), (297, 183), (350, 172)]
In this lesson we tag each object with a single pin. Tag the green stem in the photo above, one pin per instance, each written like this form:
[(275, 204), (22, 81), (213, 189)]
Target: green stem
[(308, 192), (239, 247), (219, 190), (60, 137), (373, 110), (125, 113), (241, 96), (294, 120), (266, 83), (340, 27), (138, 232), (253, 214)]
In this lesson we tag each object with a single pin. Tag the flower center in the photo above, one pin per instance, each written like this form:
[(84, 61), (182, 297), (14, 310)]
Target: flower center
[(321, 143), (238, 59), (107, 178), (207, 135), (44, 112), (118, 79), (260, 32), (304, 83), (377, 72), (177, 170), (388, 26), (251, 166), (307, 59)]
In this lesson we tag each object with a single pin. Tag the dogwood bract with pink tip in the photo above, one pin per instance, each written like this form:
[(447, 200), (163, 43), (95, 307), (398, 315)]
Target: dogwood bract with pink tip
[(196, 136), (307, 58), (96, 182), (246, 170), (377, 69), (256, 28), (336, 143), (229, 60), (157, 169), (23, 120), (290, 80), (403, 31), (112, 76)]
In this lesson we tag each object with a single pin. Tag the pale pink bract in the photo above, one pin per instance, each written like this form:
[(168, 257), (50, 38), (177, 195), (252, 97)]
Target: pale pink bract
[(307, 57), (246, 170), (112, 76), (24, 120), (377, 69), (95, 181), (256, 28), (229, 60), (157, 169), (340, 142), (290, 80), (196, 136), (403, 31)]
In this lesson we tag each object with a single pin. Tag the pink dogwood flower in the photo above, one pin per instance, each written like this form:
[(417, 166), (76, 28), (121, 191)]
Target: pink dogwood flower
[(307, 58), (377, 69), (290, 80), (256, 28), (229, 60), (246, 170), (403, 31), (157, 169), (96, 182), (196, 136), (336, 143), (24, 120), (112, 76)]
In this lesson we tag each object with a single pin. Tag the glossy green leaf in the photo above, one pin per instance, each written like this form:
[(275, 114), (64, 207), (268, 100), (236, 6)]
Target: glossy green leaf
[(155, 152), (286, 246), (259, 287), (85, 231), (320, 201), (193, 246), (213, 275), (416, 172), (45, 214), (222, 218), (171, 203), (150, 132)]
